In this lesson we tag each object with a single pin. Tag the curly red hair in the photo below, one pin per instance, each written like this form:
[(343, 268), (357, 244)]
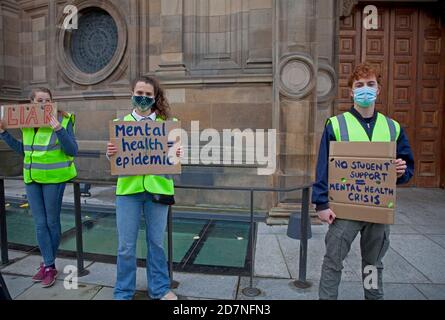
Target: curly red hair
[(363, 70)]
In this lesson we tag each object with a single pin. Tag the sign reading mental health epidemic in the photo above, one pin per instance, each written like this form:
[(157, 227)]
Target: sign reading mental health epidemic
[(362, 181), (144, 147), (28, 115)]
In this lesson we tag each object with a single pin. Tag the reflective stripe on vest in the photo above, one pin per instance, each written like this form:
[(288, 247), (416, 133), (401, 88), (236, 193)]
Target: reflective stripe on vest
[(44, 161), (156, 184), (346, 127), (52, 145), (48, 166)]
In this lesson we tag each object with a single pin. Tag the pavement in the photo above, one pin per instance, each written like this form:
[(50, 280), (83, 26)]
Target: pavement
[(414, 264)]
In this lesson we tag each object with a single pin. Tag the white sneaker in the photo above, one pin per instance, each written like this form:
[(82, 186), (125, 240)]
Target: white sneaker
[(170, 296)]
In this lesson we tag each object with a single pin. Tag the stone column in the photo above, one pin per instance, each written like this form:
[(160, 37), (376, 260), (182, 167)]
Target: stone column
[(172, 55), (10, 64), (295, 98), (2, 48), (327, 75), (51, 44)]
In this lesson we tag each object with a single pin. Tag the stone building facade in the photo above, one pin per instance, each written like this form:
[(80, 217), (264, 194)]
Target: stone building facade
[(258, 64)]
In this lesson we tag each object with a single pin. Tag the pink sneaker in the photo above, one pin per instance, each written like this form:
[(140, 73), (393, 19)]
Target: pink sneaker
[(38, 277), (50, 277)]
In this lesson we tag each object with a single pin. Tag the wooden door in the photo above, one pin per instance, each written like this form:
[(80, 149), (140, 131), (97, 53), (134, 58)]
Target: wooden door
[(408, 50)]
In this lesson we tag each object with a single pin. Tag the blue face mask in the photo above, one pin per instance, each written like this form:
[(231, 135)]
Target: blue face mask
[(142, 103), (365, 96)]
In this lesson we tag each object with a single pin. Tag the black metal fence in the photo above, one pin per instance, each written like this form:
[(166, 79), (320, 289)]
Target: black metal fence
[(249, 291)]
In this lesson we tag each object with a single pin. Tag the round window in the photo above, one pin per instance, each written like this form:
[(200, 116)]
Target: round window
[(93, 45)]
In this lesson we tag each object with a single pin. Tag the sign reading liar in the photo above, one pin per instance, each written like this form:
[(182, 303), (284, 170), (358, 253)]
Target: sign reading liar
[(145, 147), (28, 115), (362, 181)]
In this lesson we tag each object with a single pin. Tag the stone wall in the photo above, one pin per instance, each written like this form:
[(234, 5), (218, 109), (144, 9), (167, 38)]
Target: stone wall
[(259, 64)]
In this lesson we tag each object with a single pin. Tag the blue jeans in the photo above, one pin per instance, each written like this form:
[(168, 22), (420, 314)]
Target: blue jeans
[(46, 202), (128, 215)]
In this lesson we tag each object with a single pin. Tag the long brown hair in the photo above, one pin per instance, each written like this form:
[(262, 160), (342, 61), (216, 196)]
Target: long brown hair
[(46, 90), (161, 106)]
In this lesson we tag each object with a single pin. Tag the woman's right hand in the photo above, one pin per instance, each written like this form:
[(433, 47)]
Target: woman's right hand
[(2, 127), (327, 215), (111, 149)]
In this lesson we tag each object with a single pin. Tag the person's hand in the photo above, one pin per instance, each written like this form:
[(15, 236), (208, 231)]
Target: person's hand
[(179, 152), (327, 215), (111, 149), (400, 167), (2, 127), (55, 124)]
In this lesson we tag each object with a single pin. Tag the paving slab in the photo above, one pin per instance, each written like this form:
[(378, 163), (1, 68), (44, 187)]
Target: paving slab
[(425, 255), (316, 252), (436, 229), (396, 268), (277, 289), (28, 266), (105, 293), (263, 228), (58, 292), (14, 254), (206, 286), (17, 284), (439, 239), (392, 291), (432, 291), (403, 229), (105, 274), (269, 260)]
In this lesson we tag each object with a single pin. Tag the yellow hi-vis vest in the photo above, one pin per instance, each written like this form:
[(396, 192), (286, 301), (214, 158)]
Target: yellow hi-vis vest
[(156, 184), (347, 128), (45, 162)]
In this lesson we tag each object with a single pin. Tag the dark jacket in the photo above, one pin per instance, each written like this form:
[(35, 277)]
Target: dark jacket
[(320, 187)]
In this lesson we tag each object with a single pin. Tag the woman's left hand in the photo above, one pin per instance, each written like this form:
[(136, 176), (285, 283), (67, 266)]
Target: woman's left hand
[(55, 124), (179, 152), (400, 167)]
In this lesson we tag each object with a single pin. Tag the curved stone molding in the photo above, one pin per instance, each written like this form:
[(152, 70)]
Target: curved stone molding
[(346, 7), (63, 56), (326, 83), (296, 76)]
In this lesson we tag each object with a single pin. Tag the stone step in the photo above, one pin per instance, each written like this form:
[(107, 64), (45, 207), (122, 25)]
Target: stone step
[(217, 210), (284, 221), (271, 221), (284, 210)]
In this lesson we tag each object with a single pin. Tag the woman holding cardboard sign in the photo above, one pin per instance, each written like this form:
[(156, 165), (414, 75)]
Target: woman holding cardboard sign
[(361, 124), (48, 164), (150, 194)]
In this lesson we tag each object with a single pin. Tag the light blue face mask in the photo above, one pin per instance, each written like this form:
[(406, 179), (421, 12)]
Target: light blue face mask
[(365, 96), (142, 103)]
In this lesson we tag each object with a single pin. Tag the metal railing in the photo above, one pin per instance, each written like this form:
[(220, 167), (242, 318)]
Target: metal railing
[(250, 291)]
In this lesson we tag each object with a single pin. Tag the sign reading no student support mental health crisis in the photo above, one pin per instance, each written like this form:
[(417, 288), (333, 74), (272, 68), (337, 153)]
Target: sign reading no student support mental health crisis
[(362, 181)]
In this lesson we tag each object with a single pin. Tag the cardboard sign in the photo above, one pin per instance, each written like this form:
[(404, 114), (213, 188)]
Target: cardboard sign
[(144, 147), (362, 181), (28, 115)]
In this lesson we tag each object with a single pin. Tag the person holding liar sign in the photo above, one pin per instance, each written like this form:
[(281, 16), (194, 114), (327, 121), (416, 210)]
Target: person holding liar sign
[(361, 123), (48, 164), (149, 194)]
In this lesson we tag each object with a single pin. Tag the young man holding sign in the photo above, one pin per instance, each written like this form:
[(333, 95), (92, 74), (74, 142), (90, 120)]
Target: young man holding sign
[(361, 123), (146, 194), (48, 164)]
